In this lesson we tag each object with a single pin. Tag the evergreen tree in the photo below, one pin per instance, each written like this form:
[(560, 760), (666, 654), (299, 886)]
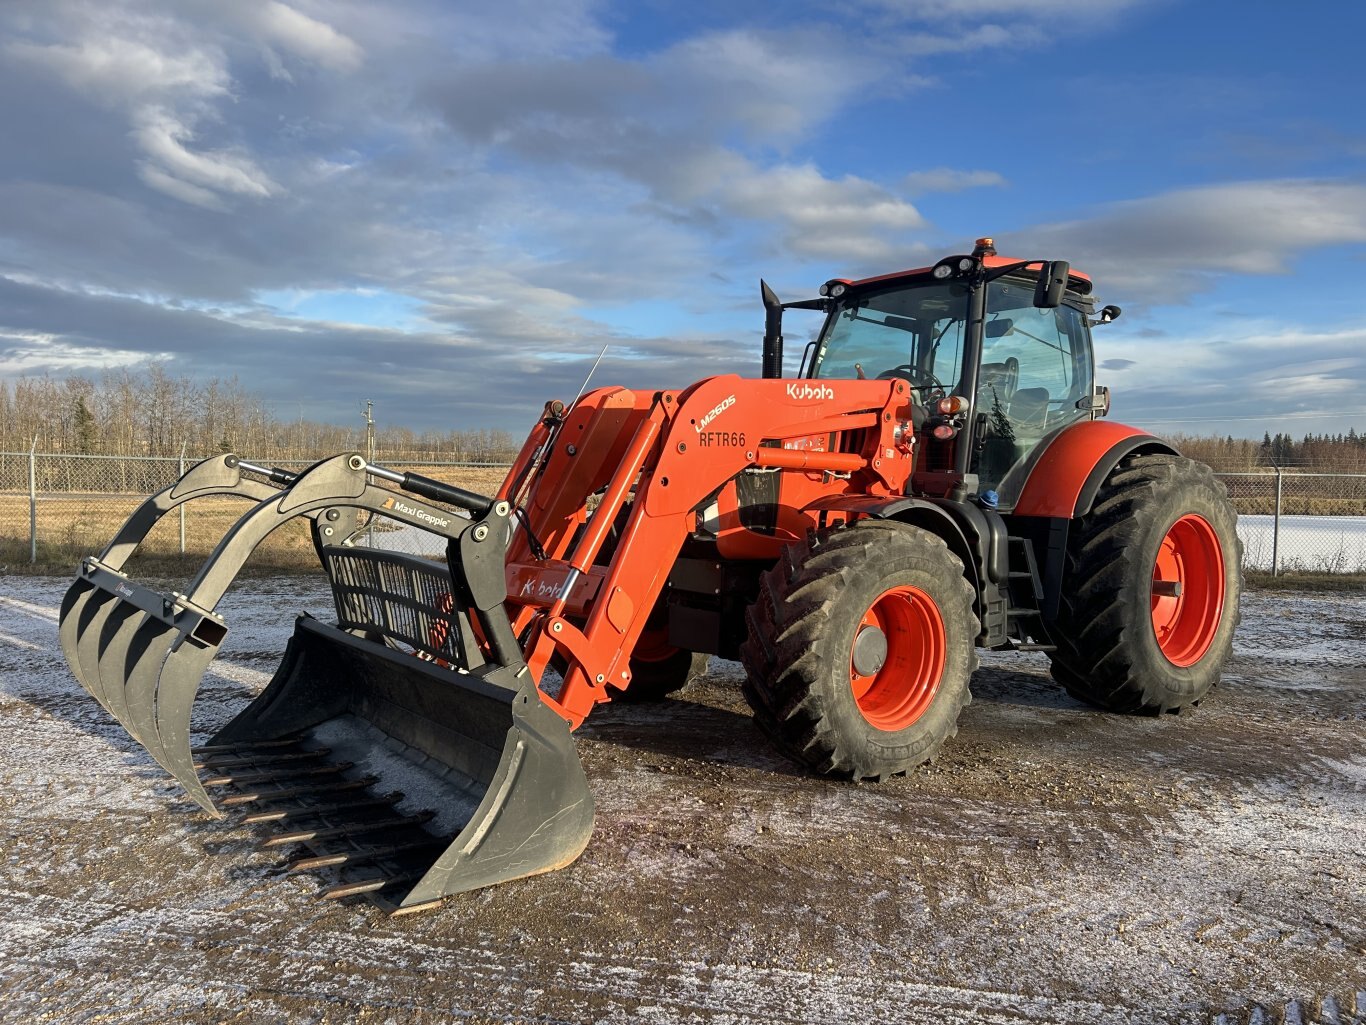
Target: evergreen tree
[(83, 427)]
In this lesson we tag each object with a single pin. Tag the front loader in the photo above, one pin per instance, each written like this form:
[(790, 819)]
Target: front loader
[(937, 477)]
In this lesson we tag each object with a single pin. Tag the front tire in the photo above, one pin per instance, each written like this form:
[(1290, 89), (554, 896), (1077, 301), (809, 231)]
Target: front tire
[(1151, 590), (658, 669), (860, 649)]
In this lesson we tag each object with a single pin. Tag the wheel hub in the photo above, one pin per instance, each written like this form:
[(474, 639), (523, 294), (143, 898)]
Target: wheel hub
[(897, 656), (1187, 590), (870, 651)]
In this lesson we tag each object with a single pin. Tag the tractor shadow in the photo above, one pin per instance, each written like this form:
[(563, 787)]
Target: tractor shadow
[(1009, 679), (710, 722), (688, 727)]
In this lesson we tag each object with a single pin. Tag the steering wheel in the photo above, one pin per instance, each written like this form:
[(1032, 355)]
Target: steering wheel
[(909, 373)]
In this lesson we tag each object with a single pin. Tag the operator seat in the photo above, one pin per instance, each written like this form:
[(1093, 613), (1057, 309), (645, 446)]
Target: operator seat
[(1029, 408)]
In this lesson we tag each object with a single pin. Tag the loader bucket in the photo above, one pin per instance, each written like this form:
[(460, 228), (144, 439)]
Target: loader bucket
[(407, 746), (493, 762)]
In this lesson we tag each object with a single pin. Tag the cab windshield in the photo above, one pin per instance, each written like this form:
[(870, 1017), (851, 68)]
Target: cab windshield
[(1035, 363), (913, 333)]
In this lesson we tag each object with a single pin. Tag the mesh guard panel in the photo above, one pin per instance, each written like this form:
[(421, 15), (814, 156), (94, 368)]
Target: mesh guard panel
[(403, 599)]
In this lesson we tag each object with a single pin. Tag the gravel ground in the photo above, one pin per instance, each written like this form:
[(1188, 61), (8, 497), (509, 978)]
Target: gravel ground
[(1056, 864)]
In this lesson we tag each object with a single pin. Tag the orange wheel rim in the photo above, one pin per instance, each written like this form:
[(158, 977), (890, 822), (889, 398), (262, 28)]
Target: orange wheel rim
[(653, 646), (897, 658), (1188, 590)]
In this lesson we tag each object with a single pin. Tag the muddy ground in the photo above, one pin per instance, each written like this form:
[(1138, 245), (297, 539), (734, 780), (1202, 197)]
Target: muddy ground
[(1056, 864)]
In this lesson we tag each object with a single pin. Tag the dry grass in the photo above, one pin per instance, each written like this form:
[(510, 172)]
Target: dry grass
[(73, 526)]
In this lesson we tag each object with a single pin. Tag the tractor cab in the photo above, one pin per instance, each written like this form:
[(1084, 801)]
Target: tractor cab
[(996, 360)]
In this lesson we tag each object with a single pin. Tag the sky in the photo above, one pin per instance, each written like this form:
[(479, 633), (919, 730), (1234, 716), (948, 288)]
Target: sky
[(450, 208)]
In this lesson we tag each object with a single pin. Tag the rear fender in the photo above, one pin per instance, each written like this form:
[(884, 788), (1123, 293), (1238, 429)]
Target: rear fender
[(1070, 468)]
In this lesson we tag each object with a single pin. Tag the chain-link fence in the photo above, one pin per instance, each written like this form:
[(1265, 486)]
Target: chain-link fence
[(1292, 522), (56, 508)]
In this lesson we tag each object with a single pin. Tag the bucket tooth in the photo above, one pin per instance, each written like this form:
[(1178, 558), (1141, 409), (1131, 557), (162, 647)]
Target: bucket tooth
[(252, 797), (372, 885), (365, 855), (267, 776), (264, 760), (213, 749), (339, 808), (348, 830)]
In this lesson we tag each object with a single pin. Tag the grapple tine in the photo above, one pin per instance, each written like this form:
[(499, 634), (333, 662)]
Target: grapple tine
[(116, 640), (92, 617), (136, 660), (136, 652), (74, 604), (176, 688)]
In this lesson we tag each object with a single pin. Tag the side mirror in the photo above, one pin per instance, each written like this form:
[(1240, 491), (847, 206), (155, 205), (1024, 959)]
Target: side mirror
[(1052, 284)]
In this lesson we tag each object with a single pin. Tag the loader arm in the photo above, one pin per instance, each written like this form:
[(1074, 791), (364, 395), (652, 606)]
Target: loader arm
[(659, 457)]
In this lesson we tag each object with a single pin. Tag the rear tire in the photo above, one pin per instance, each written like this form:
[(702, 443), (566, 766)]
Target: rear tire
[(860, 649), (1125, 641)]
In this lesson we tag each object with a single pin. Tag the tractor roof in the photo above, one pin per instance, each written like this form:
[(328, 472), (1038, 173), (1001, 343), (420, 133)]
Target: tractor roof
[(1076, 280)]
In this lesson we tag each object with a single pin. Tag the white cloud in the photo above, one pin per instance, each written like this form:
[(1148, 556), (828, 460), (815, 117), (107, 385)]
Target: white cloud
[(1272, 368), (1163, 246), (170, 76), (844, 219), (120, 71), (29, 352), (772, 86), (309, 38), (162, 136), (947, 179)]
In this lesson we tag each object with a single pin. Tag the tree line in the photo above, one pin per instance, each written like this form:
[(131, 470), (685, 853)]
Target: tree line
[(156, 413), (1313, 453)]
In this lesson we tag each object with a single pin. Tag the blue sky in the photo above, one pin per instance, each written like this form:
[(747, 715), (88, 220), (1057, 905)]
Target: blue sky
[(450, 208)]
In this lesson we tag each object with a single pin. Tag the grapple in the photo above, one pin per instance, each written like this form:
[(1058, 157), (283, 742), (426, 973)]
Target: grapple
[(406, 746)]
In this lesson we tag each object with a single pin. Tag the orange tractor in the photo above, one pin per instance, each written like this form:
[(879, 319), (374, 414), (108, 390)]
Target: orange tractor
[(937, 477)]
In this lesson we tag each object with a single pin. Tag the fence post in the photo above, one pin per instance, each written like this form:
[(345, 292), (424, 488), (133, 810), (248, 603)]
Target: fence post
[(182, 504), (33, 501), (1276, 530)]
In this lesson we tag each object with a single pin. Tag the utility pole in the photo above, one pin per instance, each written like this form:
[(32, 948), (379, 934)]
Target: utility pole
[(369, 432), (370, 458)]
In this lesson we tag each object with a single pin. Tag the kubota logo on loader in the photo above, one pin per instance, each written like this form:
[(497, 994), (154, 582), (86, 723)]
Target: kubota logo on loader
[(417, 513), (806, 392)]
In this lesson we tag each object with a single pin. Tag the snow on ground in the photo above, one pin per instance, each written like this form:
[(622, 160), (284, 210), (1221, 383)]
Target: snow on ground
[(1055, 864), (1321, 544)]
